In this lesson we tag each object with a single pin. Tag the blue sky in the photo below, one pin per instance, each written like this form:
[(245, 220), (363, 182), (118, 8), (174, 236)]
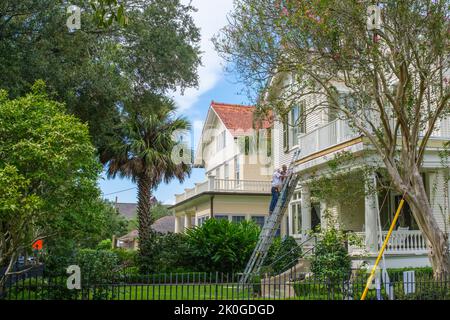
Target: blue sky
[(214, 84)]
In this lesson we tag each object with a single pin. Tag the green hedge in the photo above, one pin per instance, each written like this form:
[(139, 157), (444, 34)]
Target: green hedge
[(397, 273)]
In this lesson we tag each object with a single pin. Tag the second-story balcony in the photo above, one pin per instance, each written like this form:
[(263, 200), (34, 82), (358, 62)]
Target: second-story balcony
[(339, 131), (326, 136), (225, 186)]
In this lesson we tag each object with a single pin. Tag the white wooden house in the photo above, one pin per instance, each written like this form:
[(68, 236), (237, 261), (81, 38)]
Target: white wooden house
[(236, 185), (321, 135)]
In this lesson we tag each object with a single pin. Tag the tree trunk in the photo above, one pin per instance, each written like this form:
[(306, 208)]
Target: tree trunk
[(437, 240), (6, 275), (143, 212)]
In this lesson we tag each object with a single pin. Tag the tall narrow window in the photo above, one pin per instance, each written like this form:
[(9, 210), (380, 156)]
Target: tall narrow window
[(221, 141), (237, 169), (285, 133), (247, 145), (269, 142), (224, 139), (264, 141), (302, 117), (294, 125)]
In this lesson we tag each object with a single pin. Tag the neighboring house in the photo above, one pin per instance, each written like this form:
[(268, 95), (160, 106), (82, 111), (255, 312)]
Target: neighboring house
[(129, 210), (320, 136), (162, 225), (126, 210), (128, 241), (238, 173)]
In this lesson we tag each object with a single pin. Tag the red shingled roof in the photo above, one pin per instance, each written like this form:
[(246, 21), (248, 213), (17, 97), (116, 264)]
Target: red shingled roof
[(237, 118)]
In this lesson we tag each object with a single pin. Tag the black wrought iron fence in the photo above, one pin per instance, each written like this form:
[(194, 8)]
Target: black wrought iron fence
[(220, 286)]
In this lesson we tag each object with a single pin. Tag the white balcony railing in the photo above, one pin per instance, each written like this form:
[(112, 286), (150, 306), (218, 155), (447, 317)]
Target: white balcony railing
[(225, 185), (242, 185), (400, 242), (339, 131), (326, 136)]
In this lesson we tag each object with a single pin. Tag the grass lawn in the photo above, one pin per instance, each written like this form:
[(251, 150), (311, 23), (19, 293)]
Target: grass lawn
[(179, 292), (138, 292)]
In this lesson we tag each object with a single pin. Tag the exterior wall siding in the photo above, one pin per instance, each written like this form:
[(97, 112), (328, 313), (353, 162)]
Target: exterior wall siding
[(314, 118), (351, 217), (253, 205), (216, 158), (439, 198), (444, 127), (280, 157)]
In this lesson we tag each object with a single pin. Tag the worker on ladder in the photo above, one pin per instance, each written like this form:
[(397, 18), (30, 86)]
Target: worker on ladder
[(277, 182)]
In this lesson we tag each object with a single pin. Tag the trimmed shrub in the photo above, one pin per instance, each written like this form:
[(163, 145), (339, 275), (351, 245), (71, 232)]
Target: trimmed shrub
[(127, 258), (331, 260), (97, 265), (104, 244), (98, 268), (166, 253), (396, 274), (223, 246)]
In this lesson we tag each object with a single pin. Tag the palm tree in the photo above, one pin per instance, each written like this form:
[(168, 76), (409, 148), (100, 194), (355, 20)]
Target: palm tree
[(142, 152)]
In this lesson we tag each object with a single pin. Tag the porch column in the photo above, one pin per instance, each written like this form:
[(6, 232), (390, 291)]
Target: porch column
[(306, 209), (187, 221), (370, 215), (323, 215), (291, 227), (178, 228)]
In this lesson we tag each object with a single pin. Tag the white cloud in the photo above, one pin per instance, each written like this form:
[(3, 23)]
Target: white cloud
[(210, 18)]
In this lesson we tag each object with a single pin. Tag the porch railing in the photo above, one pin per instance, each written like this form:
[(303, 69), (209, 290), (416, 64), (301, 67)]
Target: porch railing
[(242, 185), (401, 241), (225, 185), (339, 131), (326, 136), (406, 241)]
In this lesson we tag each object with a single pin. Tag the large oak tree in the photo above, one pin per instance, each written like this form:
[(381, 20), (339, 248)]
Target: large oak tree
[(98, 70)]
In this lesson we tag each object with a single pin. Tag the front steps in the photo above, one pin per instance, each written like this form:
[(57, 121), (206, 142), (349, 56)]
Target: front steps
[(281, 285)]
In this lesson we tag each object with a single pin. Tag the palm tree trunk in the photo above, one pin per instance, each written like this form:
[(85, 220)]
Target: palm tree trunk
[(143, 212)]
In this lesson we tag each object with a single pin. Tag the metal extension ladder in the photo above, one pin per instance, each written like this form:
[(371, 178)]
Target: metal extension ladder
[(272, 222)]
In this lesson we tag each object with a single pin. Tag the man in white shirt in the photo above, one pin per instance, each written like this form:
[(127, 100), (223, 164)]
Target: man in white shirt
[(277, 181)]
